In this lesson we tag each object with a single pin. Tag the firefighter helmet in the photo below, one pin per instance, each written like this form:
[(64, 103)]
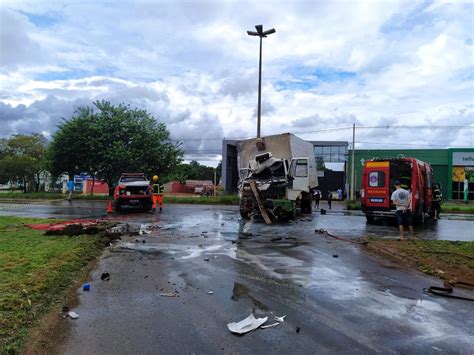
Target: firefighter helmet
[(155, 177)]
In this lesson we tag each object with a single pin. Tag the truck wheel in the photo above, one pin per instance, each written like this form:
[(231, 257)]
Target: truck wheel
[(370, 219), (118, 207), (244, 212), (306, 205)]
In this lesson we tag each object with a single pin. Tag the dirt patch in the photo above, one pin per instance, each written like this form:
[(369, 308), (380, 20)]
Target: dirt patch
[(450, 261)]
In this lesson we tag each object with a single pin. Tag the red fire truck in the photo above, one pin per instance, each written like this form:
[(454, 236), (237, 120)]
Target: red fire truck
[(378, 176)]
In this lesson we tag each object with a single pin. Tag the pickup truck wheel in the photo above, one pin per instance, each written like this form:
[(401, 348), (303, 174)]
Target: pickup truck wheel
[(370, 219), (118, 207)]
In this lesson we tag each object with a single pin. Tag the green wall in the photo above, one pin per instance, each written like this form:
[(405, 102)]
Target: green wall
[(438, 158)]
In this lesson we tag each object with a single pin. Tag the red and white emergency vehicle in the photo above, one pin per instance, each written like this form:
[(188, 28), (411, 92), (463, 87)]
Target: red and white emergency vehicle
[(378, 177)]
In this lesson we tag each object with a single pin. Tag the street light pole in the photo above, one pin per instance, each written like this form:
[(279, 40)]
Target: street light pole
[(260, 33)]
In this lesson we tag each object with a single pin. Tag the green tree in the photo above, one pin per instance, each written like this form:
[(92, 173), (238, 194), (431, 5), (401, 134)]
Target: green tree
[(23, 158), (194, 171), (106, 140)]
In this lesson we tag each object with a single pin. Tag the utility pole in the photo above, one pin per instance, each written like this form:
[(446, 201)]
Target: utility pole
[(215, 181), (260, 33), (352, 162)]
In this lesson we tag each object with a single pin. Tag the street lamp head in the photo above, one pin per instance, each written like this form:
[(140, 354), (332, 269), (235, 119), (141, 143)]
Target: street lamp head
[(259, 29), (269, 32), (252, 33)]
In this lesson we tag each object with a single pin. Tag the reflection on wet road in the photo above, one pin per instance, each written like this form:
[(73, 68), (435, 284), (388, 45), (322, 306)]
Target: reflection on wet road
[(343, 223)]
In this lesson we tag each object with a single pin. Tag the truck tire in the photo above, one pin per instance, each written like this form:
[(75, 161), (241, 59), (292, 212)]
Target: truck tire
[(244, 212), (369, 218), (118, 207), (306, 204)]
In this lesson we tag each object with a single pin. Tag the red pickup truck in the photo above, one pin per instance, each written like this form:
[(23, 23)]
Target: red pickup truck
[(133, 190), (378, 176)]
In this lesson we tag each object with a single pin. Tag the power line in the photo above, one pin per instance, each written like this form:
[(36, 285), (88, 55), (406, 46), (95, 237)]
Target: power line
[(334, 129)]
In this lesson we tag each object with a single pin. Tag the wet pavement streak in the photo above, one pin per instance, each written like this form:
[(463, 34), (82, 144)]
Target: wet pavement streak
[(351, 304)]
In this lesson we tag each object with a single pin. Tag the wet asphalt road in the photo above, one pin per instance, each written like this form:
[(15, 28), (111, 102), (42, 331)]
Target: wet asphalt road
[(351, 224), (352, 303)]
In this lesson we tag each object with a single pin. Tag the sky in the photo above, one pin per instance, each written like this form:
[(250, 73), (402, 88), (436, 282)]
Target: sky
[(401, 71)]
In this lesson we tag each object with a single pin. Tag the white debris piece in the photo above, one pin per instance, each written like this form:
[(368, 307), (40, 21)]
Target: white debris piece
[(248, 324), (270, 325), (280, 319), (144, 229), (73, 315)]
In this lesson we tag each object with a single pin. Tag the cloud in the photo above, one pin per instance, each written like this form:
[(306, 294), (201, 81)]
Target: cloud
[(192, 65)]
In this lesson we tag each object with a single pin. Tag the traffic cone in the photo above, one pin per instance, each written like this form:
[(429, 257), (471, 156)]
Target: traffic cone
[(110, 208)]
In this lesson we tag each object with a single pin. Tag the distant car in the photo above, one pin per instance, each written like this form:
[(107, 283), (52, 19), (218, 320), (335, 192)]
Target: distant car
[(133, 190)]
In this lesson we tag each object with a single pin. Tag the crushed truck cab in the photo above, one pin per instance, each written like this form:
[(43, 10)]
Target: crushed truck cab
[(277, 175)]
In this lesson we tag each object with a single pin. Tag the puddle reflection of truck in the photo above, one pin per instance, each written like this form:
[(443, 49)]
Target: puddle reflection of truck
[(277, 175), (378, 177)]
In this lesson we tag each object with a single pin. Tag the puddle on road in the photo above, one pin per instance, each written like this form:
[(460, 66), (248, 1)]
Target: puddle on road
[(240, 291)]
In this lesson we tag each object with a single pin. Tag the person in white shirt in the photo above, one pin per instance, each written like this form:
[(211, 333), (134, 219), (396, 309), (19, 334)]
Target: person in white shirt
[(402, 200)]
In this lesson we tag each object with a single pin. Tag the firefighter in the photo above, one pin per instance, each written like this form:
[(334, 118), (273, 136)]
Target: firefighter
[(437, 197), (157, 190)]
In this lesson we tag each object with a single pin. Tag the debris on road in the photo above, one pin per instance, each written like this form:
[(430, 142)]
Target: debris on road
[(73, 315), (86, 287), (276, 239), (210, 292), (206, 259), (269, 325), (280, 319), (335, 256), (105, 276), (144, 229), (246, 325), (168, 294), (297, 329)]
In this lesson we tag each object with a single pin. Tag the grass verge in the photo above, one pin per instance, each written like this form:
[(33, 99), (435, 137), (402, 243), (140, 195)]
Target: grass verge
[(193, 199), (48, 196), (353, 204), (208, 200), (35, 273), (456, 207), (449, 260)]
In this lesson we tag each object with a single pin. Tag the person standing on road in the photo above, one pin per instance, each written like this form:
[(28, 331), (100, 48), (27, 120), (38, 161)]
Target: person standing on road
[(339, 194), (70, 189), (329, 199), (157, 190), (437, 196), (317, 198), (402, 200)]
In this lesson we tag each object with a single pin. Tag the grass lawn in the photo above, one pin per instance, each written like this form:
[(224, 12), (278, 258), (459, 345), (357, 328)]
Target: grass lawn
[(35, 273), (449, 260)]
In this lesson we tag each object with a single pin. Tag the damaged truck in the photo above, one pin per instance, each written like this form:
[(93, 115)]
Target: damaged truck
[(277, 176)]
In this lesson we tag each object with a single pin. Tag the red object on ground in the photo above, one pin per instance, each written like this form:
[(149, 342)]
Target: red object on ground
[(110, 209), (62, 225)]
